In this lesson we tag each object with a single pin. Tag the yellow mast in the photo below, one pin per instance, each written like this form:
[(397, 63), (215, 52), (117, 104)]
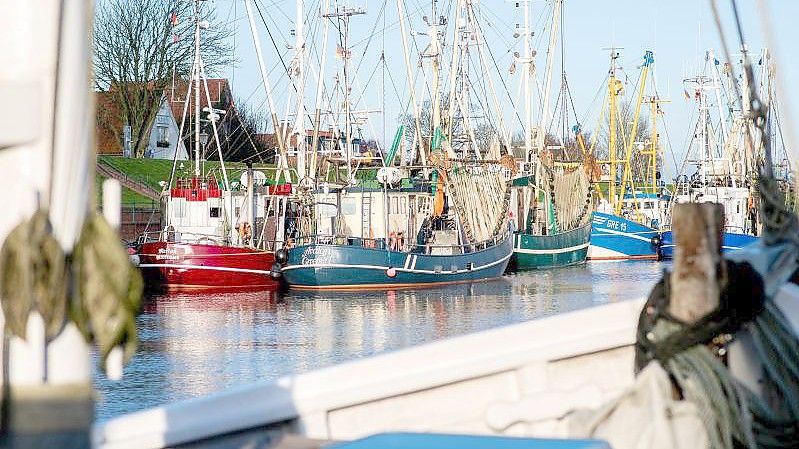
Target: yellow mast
[(653, 150), (654, 141), (627, 176), (612, 92)]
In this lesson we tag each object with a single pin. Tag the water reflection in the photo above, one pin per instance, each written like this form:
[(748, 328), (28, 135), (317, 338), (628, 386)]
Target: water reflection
[(195, 344)]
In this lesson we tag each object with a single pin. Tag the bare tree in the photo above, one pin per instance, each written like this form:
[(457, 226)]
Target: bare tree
[(239, 130), (483, 130), (140, 46), (638, 162)]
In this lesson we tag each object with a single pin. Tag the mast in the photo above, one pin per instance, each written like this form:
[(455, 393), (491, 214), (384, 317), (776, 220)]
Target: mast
[(654, 142), (344, 14), (434, 54), (528, 109), (553, 34), (612, 158), (409, 76), (319, 90), (197, 88), (267, 89), (299, 61), (649, 59)]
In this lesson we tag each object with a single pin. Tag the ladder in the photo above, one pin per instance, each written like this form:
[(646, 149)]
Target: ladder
[(366, 215)]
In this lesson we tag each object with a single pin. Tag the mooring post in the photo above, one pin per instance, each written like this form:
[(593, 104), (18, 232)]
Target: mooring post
[(697, 275)]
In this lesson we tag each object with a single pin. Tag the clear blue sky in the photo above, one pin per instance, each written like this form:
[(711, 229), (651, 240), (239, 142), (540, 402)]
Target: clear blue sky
[(678, 31)]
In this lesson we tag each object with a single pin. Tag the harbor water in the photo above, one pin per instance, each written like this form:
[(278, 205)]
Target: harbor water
[(196, 344)]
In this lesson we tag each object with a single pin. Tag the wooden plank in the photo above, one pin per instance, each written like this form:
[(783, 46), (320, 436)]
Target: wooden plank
[(697, 276)]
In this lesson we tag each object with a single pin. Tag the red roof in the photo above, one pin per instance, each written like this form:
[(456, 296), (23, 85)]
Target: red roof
[(109, 124), (218, 90)]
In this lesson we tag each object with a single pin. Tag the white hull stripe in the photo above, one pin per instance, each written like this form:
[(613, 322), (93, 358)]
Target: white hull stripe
[(407, 261), (723, 247), (209, 255), (632, 235), (550, 251), (200, 267), (408, 270)]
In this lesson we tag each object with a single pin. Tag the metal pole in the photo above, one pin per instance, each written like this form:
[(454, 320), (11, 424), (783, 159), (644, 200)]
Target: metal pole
[(197, 89)]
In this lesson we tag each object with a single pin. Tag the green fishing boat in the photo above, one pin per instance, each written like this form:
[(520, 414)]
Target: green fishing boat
[(550, 202), (553, 219)]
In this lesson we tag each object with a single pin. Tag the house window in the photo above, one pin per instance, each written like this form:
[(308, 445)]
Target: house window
[(163, 136), (163, 120)]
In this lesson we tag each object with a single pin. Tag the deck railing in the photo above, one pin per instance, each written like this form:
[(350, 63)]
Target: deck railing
[(195, 237), (394, 245)]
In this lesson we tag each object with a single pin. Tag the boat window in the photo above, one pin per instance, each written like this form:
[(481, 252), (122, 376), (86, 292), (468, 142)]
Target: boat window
[(394, 205), (214, 212), (348, 206), (327, 210), (238, 210)]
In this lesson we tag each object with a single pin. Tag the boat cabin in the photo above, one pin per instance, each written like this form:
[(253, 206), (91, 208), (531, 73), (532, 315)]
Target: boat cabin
[(198, 210)]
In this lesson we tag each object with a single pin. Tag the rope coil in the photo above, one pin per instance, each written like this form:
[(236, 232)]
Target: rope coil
[(733, 415)]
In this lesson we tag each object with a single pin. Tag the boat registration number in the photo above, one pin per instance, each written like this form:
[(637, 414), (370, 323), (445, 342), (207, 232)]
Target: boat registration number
[(616, 225)]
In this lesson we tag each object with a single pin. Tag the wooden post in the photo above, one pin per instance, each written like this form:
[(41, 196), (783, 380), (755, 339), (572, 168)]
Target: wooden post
[(46, 385), (697, 276)]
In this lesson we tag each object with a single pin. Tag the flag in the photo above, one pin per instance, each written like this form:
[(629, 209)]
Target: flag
[(687, 95), (175, 38), (174, 19)]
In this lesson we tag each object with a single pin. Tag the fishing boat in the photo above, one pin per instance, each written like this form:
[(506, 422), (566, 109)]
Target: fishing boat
[(625, 224), (551, 200), (572, 389), (539, 241), (724, 168), (212, 235), (449, 198)]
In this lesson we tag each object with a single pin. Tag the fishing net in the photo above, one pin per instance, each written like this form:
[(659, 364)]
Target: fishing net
[(571, 192), (481, 198)]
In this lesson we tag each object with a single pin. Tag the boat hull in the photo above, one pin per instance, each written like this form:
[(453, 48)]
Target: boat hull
[(617, 238), (352, 267), (190, 266), (731, 241), (550, 251)]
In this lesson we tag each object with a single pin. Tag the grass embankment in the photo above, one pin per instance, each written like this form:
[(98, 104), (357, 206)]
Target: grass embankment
[(153, 171), (129, 197)]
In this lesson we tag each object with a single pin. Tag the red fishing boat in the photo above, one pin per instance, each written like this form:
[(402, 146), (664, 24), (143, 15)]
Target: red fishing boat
[(183, 266), (213, 234), (194, 251)]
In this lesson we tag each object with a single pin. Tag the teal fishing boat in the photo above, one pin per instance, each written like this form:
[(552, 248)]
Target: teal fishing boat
[(549, 251), (554, 226), (551, 196), (433, 211)]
